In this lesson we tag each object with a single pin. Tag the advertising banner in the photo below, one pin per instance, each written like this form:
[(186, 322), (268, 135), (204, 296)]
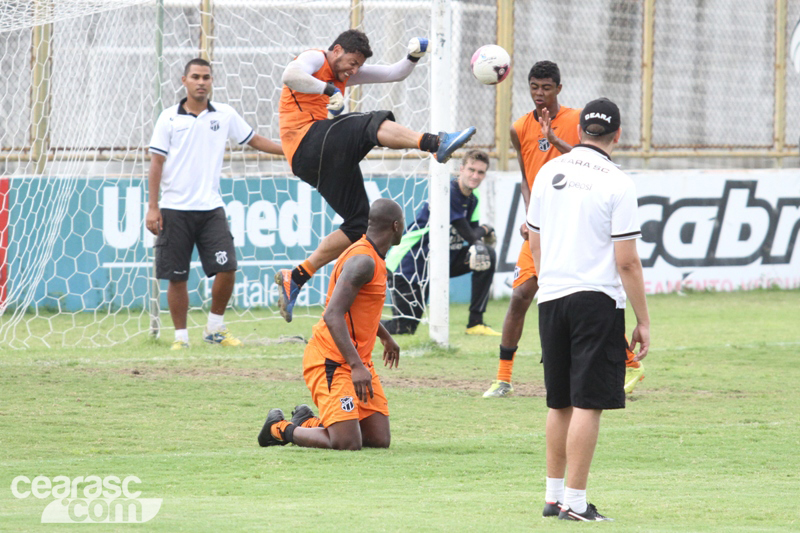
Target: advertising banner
[(702, 230)]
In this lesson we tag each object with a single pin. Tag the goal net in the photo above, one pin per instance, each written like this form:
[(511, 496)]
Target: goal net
[(83, 83)]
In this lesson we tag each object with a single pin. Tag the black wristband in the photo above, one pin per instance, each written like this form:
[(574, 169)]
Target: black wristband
[(412, 58), (330, 89)]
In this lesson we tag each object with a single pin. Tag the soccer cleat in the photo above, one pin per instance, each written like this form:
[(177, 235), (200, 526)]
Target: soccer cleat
[(632, 377), (179, 345), (301, 413), (450, 142), (265, 438), (288, 293), (483, 329), (222, 337), (551, 509), (589, 515), (499, 389)]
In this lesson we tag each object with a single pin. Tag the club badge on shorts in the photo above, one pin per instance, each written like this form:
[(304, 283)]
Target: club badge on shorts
[(544, 144), (347, 403), (222, 257)]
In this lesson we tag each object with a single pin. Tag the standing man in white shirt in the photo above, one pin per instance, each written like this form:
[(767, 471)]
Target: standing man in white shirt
[(582, 231), (186, 153)]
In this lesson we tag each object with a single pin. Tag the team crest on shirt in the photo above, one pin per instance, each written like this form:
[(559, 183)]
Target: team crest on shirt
[(347, 403), (544, 144), (214, 125), (222, 257)]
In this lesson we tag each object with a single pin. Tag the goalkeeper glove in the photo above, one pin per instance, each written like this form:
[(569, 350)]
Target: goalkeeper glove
[(336, 102), (490, 239), (479, 258), (417, 48)]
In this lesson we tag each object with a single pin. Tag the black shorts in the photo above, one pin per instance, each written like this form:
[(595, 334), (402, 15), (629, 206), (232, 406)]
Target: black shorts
[(328, 158), (209, 230), (583, 351)]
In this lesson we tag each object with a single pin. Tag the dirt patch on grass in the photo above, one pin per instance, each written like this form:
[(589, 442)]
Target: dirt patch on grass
[(520, 389), (267, 374), (204, 372)]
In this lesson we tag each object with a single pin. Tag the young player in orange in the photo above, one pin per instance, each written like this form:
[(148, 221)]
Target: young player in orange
[(337, 365), (325, 153), (539, 136)]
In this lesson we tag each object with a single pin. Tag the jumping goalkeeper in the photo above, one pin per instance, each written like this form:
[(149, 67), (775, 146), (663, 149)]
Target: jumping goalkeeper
[(325, 153)]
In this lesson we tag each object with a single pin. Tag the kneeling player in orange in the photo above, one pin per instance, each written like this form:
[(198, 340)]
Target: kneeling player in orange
[(337, 365)]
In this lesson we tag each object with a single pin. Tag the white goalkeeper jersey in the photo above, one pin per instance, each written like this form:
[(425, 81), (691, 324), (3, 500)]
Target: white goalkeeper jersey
[(581, 202)]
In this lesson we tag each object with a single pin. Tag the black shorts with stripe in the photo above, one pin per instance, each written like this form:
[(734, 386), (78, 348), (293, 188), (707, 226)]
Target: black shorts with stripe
[(583, 351), (328, 159), (182, 230)]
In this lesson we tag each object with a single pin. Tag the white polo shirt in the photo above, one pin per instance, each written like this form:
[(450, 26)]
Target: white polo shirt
[(581, 202), (194, 147)]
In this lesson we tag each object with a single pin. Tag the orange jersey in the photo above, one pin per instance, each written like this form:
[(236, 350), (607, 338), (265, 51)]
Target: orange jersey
[(536, 149), (364, 315), (298, 111)]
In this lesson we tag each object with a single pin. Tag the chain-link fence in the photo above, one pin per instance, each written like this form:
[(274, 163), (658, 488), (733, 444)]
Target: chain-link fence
[(713, 87)]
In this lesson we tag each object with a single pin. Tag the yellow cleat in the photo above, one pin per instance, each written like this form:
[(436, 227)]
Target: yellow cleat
[(632, 377), (179, 345), (483, 329), (222, 337), (499, 389)]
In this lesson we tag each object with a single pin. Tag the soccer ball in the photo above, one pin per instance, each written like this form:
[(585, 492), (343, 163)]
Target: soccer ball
[(490, 64)]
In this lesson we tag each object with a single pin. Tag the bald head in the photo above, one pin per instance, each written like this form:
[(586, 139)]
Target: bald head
[(386, 223), (383, 213)]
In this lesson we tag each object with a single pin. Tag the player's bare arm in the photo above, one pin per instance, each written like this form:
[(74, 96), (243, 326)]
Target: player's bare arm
[(153, 220), (629, 267), (391, 350), (263, 144), (356, 272), (544, 123), (535, 242), (523, 185)]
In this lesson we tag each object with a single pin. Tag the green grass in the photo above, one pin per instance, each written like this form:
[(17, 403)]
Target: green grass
[(708, 442)]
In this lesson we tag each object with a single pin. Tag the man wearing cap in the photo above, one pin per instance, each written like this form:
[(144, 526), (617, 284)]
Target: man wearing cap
[(582, 232)]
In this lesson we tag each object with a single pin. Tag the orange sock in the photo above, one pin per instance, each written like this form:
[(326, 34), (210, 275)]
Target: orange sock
[(504, 372), (308, 268), (630, 363), (506, 363), (313, 422), (277, 429)]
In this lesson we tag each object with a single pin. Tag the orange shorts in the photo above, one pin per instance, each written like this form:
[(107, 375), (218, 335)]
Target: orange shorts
[(524, 269), (332, 389)]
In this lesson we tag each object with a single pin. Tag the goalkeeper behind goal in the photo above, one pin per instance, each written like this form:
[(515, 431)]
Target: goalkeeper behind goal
[(470, 251)]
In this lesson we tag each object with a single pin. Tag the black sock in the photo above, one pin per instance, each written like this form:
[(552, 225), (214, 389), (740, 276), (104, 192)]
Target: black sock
[(507, 354), (429, 142), (300, 276), (474, 319)]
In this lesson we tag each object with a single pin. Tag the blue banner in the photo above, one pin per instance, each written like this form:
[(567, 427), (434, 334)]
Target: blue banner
[(80, 244)]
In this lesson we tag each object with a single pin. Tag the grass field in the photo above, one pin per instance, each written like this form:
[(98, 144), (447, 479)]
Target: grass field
[(709, 441)]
